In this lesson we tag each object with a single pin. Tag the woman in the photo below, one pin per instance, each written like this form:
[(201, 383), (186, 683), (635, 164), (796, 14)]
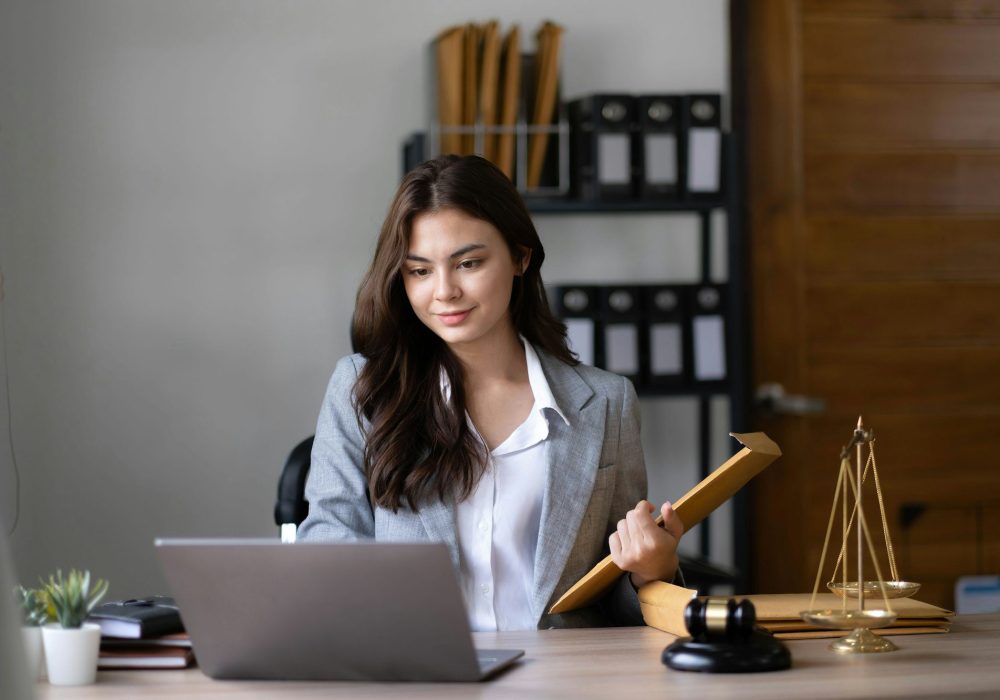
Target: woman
[(465, 419)]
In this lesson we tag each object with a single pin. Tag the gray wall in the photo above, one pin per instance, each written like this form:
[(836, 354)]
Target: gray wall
[(189, 193)]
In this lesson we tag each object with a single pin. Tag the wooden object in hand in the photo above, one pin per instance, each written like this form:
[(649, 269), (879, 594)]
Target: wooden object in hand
[(693, 507)]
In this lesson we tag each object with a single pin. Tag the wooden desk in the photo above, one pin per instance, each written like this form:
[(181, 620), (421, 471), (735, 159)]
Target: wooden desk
[(625, 663)]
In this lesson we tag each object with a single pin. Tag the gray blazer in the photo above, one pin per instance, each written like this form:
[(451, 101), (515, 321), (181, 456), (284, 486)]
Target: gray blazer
[(595, 474)]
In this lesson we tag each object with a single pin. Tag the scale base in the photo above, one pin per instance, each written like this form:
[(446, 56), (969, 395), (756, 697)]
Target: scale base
[(862, 641)]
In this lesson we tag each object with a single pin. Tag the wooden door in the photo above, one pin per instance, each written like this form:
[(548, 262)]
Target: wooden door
[(874, 213)]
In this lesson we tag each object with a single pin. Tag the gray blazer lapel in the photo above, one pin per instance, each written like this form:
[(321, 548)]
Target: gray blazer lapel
[(438, 519), (574, 451)]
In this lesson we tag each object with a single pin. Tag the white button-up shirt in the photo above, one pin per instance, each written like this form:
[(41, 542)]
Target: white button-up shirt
[(498, 524)]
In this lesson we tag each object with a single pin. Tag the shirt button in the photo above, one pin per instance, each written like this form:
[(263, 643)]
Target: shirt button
[(485, 589), (483, 527)]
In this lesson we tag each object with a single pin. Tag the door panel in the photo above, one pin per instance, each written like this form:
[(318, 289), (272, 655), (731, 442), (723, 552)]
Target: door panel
[(899, 314), (902, 247), (903, 9), (867, 181), (887, 49), (874, 175), (916, 380), (848, 115)]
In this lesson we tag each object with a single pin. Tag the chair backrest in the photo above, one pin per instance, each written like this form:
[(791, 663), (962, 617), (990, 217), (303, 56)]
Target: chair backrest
[(291, 507)]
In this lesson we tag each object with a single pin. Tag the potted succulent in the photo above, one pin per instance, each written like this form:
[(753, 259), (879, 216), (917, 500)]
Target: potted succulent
[(71, 645), (34, 614)]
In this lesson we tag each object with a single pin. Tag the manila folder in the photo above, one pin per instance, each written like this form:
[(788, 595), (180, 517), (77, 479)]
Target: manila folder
[(693, 507)]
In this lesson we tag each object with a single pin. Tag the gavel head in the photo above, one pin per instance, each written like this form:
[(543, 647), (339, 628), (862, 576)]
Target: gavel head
[(720, 619)]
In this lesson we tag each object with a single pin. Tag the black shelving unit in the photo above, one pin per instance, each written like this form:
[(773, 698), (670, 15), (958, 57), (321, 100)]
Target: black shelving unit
[(575, 206)]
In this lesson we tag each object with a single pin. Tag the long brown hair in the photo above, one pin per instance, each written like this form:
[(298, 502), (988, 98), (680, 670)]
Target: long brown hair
[(418, 444)]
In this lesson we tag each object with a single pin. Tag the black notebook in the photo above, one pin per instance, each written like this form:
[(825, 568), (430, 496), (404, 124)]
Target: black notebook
[(138, 618)]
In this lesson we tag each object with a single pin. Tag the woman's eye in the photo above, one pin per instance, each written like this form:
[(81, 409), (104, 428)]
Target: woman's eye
[(470, 264), (419, 272)]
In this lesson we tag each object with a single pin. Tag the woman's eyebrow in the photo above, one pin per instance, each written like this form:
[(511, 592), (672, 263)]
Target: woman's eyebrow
[(458, 253)]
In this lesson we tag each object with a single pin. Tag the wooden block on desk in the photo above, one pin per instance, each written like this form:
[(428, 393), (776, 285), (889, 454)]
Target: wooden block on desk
[(663, 606)]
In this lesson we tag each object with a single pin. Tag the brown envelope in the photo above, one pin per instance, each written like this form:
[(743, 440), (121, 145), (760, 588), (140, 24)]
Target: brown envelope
[(448, 47), (470, 95), (884, 632), (803, 626), (511, 100), (488, 86), (547, 58), (788, 606)]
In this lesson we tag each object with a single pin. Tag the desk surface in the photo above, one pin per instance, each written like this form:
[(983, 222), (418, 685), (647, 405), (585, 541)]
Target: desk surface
[(625, 662)]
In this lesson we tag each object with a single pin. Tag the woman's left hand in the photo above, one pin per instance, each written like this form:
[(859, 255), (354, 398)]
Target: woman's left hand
[(647, 551)]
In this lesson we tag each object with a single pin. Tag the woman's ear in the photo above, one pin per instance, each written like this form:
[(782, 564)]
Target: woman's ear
[(525, 259)]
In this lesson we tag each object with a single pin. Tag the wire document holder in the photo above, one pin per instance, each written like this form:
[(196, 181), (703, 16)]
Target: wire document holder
[(555, 169)]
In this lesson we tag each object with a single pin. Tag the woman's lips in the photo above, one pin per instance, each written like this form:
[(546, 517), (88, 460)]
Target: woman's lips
[(453, 319)]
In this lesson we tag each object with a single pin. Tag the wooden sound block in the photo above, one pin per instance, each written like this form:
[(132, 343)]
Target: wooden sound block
[(693, 507)]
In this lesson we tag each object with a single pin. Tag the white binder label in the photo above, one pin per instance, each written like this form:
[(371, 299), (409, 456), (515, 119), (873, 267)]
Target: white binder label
[(621, 348), (704, 159), (580, 338), (666, 356), (614, 159), (709, 348), (661, 159)]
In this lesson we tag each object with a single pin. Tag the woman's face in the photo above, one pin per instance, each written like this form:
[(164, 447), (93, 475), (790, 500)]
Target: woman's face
[(458, 276)]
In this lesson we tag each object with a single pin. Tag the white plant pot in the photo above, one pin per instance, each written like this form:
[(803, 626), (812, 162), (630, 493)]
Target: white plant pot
[(33, 650), (71, 654)]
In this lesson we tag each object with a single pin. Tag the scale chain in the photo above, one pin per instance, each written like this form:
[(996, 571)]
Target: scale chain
[(894, 572), (826, 540)]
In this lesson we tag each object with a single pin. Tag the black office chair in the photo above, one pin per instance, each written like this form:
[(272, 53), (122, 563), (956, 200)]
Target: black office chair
[(291, 507)]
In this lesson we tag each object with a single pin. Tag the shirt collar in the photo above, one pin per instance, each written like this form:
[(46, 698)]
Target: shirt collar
[(539, 384), (536, 379)]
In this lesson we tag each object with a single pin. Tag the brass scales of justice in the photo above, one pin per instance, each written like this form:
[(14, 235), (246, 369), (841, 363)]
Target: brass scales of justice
[(858, 617)]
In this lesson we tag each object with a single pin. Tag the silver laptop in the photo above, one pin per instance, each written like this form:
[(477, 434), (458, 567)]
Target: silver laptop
[(261, 609)]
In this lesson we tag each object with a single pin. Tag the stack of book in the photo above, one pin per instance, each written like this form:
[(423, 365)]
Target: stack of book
[(142, 633), (167, 651)]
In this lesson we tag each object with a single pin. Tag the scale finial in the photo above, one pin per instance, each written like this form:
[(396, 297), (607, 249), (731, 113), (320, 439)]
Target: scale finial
[(860, 424)]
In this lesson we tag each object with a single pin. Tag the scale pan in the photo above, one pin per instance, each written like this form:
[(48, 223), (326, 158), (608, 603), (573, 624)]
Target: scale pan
[(849, 619), (893, 589)]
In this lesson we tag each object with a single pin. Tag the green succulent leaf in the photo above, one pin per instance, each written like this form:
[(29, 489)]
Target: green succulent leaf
[(71, 599), (33, 606)]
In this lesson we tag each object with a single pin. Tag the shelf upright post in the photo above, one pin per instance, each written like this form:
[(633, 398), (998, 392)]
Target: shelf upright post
[(705, 398), (738, 273)]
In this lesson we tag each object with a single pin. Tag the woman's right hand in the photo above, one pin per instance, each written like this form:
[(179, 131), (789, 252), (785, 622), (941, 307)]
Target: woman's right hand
[(644, 549)]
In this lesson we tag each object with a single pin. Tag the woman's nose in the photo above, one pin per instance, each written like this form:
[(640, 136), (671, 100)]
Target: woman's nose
[(446, 288)]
